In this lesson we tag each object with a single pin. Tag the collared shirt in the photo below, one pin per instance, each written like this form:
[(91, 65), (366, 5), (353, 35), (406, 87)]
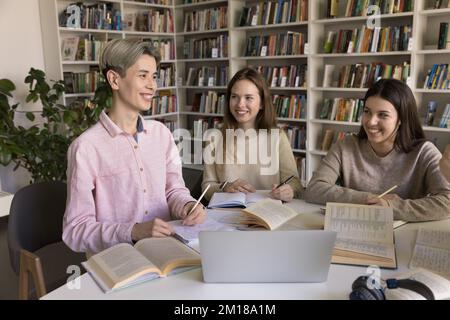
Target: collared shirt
[(115, 181)]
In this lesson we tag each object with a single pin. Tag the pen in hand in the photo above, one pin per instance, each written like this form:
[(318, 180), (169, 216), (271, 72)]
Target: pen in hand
[(387, 191), (284, 182), (198, 201)]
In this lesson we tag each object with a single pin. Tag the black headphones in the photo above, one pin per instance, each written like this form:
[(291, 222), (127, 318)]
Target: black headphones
[(361, 291)]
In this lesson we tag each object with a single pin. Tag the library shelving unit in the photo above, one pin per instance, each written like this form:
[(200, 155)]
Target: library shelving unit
[(247, 35), (426, 54), (129, 19), (421, 53), (202, 37)]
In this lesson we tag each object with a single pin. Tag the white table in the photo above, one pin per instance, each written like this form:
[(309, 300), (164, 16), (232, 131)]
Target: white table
[(190, 286), (5, 203)]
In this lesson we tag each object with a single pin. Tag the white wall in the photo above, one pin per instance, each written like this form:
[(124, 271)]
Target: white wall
[(21, 48)]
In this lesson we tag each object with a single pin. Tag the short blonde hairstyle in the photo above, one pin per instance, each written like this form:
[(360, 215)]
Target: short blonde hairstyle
[(120, 54)]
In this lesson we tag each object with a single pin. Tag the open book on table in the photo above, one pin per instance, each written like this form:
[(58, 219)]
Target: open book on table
[(432, 251), (365, 234), (237, 199), (268, 213), (440, 286), (124, 265), (189, 234)]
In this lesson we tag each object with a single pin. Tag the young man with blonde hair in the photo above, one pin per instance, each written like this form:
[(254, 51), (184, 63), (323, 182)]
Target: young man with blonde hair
[(124, 175)]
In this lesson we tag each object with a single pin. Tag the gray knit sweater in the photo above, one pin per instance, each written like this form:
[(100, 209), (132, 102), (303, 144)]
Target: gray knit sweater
[(424, 191)]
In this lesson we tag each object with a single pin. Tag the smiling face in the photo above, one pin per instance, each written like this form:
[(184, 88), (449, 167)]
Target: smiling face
[(136, 90), (380, 122), (245, 103)]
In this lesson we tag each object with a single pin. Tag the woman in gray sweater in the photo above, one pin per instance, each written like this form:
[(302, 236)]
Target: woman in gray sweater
[(390, 149)]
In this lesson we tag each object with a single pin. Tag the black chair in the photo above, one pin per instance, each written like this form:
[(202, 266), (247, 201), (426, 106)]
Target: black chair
[(193, 179), (35, 238)]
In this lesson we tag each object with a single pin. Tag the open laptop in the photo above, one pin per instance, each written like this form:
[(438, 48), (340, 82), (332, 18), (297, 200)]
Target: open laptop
[(266, 256)]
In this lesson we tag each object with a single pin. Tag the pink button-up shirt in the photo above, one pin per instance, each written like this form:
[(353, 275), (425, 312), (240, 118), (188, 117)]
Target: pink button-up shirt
[(115, 182)]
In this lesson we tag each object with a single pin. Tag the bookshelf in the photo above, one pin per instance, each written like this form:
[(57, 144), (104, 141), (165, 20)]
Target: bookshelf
[(420, 52), (133, 24)]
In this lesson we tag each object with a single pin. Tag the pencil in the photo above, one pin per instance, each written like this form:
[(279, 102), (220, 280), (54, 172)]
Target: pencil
[(284, 182), (196, 204), (387, 191)]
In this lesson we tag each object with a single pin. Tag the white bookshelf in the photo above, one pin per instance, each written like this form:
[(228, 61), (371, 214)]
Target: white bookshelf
[(422, 55), (53, 35)]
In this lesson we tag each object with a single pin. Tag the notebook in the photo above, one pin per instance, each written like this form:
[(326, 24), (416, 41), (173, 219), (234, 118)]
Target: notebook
[(266, 256), (236, 199)]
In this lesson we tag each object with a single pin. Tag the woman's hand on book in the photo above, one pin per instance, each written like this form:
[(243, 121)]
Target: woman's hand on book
[(239, 185), (155, 228), (197, 216), (283, 193)]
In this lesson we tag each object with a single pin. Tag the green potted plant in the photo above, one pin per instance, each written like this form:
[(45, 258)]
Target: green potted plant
[(42, 149)]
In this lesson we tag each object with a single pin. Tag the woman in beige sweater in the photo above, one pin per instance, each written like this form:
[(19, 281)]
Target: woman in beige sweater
[(445, 163), (252, 153), (389, 150)]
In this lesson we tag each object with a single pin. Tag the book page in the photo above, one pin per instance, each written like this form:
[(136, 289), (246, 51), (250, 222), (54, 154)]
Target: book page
[(372, 248), (304, 221), (271, 212), (253, 197), (118, 263), (399, 223), (227, 200), (230, 217), (438, 285), (360, 222), (190, 233), (167, 253), (432, 251)]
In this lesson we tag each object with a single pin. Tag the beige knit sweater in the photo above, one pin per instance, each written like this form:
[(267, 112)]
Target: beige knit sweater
[(215, 174), (424, 191)]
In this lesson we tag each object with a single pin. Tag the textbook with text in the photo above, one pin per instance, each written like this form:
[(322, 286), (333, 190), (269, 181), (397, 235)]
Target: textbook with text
[(268, 213), (236, 199), (365, 234), (439, 286), (124, 265)]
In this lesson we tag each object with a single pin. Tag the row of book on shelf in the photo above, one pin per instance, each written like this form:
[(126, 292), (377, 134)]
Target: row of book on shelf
[(208, 76), (206, 19), (444, 36), (164, 102), (210, 102), (77, 48), (292, 107), (432, 107), (274, 12), (151, 20), (361, 75), (82, 82), (295, 134), (88, 48), (206, 48), (94, 16), (342, 109), (438, 77), (284, 76), (166, 76), (280, 44), (357, 8), (378, 39)]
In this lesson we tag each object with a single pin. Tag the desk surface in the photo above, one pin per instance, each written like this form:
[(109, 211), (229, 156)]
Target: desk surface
[(190, 286)]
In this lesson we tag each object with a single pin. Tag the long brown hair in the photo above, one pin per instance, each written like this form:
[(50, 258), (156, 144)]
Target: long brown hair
[(266, 116), (410, 132)]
